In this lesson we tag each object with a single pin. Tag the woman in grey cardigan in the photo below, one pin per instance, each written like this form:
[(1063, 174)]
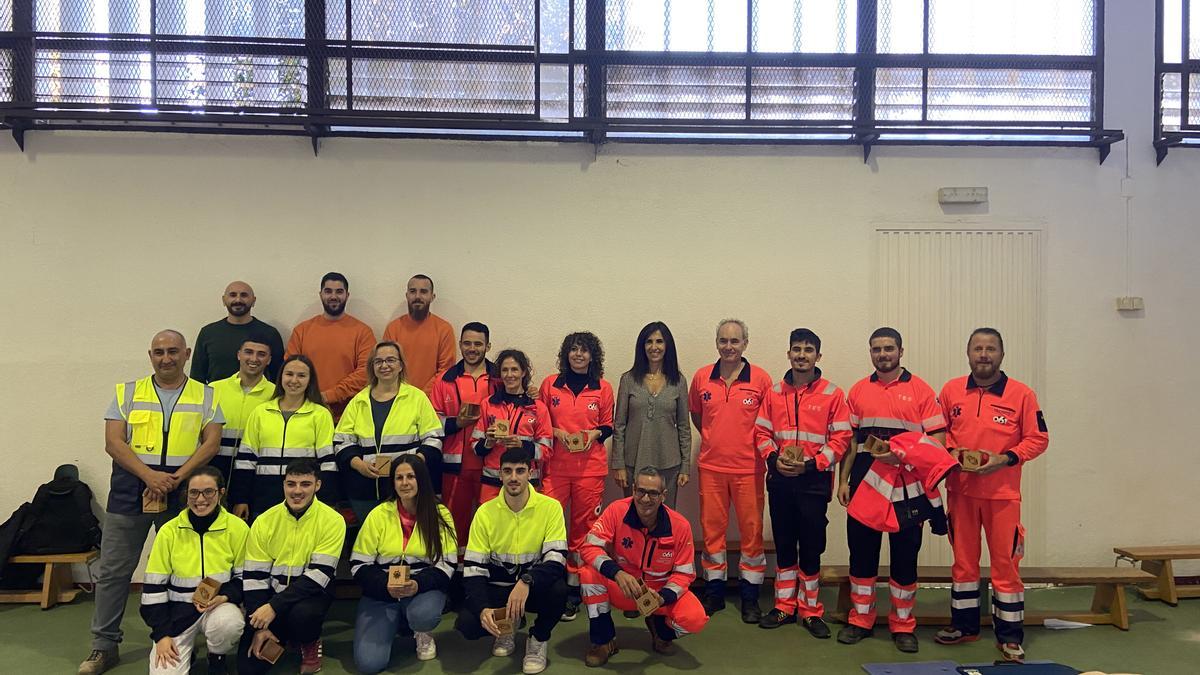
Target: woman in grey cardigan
[(651, 426)]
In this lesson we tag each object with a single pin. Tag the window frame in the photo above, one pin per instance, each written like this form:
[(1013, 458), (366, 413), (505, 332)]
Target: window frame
[(1188, 134), (317, 119)]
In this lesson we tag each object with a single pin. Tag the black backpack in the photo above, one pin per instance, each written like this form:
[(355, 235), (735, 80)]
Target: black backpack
[(60, 518)]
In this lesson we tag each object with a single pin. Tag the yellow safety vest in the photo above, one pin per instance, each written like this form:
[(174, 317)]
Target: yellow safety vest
[(143, 413)]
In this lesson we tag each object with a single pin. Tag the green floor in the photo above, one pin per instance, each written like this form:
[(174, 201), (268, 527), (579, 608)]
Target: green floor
[(1162, 640)]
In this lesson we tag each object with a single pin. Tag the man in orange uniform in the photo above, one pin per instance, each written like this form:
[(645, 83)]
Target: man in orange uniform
[(471, 380), (803, 412), (890, 401), (426, 338), (338, 344), (651, 550), (724, 400), (993, 413)]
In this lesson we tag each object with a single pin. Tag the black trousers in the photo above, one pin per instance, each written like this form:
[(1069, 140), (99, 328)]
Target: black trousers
[(301, 624), (798, 522), (547, 603), (864, 551)]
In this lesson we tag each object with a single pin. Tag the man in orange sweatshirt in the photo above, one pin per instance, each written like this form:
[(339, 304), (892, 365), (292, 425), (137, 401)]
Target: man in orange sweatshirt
[(337, 344), (426, 338)]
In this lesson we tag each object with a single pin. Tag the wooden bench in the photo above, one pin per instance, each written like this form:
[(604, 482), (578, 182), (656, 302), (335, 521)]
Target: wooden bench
[(1108, 602), (1157, 561), (57, 584)]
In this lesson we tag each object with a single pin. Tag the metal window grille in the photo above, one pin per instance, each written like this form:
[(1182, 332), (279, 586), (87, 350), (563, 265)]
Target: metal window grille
[(1176, 76), (866, 72)]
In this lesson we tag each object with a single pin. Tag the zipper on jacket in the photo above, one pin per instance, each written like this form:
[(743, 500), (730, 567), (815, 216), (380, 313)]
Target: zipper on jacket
[(166, 433)]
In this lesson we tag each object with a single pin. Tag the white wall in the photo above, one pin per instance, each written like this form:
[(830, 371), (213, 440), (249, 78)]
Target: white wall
[(106, 238)]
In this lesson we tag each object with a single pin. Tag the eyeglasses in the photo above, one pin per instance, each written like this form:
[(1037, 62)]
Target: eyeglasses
[(652, 494), (389, 361), (207, 493)]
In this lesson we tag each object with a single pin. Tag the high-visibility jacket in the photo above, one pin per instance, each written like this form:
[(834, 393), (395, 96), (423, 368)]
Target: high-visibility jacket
[(503, 545), (289, 559), (884, 409), (528, 420), (380, 544), (814, 418), (1003, 418), (271, 441), (236, 405), (727, 417), (411, 423), (664, 558), (591, 408), (891, 498), (449, 390), (180, 559), (160, 450)]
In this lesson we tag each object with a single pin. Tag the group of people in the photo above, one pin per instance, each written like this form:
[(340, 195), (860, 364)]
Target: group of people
[(477, 482)]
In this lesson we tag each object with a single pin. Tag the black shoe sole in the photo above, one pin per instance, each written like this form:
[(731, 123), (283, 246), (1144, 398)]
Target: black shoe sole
[(854, 641)]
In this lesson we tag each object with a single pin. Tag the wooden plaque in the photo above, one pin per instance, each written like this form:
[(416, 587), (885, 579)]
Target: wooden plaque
[(271, 650), (500, 617), (502, 428), (648, 602), (577, 442), (208, 589), (468, 410), (793, 453), (972, 460), (151, 504), (383, 465), (877, 446), (397, 576)]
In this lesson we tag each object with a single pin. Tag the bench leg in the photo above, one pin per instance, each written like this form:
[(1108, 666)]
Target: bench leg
[(49, 587), (1166, 583), (1110, 599)]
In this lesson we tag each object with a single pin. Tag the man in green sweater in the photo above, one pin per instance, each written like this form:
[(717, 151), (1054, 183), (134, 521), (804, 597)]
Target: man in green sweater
[(215, 354)]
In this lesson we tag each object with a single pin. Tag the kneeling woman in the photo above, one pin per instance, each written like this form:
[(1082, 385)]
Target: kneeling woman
[(526, 423), (415, 530), (203, 542)]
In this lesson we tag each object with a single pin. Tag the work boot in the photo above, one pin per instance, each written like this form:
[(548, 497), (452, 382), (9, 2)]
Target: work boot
[(99, 661), (597, 655), (713, 604), (776, 618), (658, 644), (816, 627), (852, 635), (905, 642), (751, 613)]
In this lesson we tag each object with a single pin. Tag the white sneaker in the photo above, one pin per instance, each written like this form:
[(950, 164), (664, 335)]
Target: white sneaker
[(504, 645), (426, 647), (535, 656)]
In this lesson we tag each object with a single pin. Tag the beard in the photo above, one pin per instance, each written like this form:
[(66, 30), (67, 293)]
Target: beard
[(238, 309), (418, 313), (335, 309)]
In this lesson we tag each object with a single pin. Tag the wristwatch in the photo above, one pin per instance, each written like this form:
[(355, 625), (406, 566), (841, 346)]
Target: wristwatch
[(526, 579)]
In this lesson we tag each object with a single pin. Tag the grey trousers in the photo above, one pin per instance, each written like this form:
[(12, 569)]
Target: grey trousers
[(669, 477), (120, 550)]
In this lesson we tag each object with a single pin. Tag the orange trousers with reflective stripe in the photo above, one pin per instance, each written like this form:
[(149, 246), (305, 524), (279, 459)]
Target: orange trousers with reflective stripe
[(600, 594), (746, 493), (460, 494), (581, 499)]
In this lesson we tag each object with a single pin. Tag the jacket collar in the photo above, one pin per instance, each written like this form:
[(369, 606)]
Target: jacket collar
[(905, 376), (521, 399), (661, 529), (743, 376), (787, 378), (997, 387), (561, 381), (459, 369)]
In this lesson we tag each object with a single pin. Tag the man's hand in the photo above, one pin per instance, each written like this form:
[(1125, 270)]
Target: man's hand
[(367, 470), (682, 480), (888, 459), (621, 478), (630, 585), (844, 494), (465, 421), (262, 617), (212, 604), (159, 483), (995, 463), (406, 591), (260, 639), (242, 511), (593, 436), (516, 601), (786, 467), (512, 442), (488, 622), (165, 653)]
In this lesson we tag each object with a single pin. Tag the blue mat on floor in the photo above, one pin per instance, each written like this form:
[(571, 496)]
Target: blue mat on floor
[(1029, 668), (919, 668)]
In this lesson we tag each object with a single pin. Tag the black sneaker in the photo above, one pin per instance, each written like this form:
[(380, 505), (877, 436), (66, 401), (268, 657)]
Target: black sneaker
[(851, 635), (905, 642), (571, 611), (776, 618), (713, 604), (751, 613), (631, 614), (816, 627), (218, 664)]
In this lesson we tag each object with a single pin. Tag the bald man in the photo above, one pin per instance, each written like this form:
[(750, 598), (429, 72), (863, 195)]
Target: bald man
[(158, 429), (218, 343)]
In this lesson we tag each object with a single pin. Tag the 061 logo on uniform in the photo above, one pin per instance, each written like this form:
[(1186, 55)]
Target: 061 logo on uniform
[(1000, 419)]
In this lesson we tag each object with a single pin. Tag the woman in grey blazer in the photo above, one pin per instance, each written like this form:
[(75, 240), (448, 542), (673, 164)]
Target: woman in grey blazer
[(651, 426)]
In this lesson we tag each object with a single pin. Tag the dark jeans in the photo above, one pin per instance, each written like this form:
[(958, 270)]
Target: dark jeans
[(798, 521), (864, 551), (302, 624), (547, 603)]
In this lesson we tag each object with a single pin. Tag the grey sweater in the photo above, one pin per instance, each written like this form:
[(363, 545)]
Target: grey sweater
[(651, 430)]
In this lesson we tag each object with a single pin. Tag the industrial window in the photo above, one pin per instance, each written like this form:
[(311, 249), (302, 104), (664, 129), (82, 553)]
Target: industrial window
[(862, 72), (1177, 76)]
